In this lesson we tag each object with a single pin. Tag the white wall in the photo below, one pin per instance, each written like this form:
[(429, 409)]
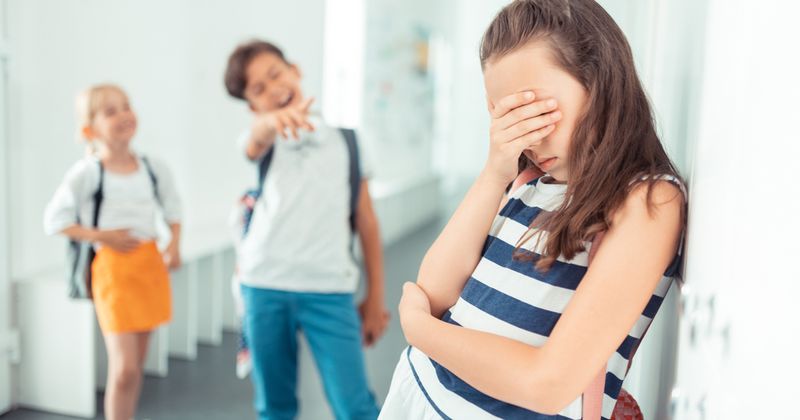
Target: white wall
[(398, 101), (674, 73), (343, 69), (740, 336), (170, 56), (5, 273), (466, 142)]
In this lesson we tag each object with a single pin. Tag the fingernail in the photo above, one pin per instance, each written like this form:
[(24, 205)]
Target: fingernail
[(551, 102), (528, 95)]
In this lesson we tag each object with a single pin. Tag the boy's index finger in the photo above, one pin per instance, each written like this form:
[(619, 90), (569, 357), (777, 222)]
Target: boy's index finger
[(306, 104), (515, 100)]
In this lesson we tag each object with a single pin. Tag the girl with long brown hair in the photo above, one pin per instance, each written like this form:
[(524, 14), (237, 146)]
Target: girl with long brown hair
[(508, 318)]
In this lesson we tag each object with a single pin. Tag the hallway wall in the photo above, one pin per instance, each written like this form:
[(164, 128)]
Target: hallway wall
[(5, 243), (739, 335)]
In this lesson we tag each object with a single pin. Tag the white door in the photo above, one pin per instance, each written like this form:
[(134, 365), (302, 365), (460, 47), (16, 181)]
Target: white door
[(5, 272), (739, 330)]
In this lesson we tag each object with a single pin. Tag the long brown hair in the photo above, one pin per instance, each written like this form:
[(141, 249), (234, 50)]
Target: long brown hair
[(615, 142)]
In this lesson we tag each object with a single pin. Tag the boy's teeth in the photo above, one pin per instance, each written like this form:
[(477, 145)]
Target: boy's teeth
[(286, 99)]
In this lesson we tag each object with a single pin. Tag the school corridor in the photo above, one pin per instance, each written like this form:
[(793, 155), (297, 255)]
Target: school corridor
[(407, 75)]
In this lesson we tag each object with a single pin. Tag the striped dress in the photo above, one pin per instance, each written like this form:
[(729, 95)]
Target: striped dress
[(511, 298)]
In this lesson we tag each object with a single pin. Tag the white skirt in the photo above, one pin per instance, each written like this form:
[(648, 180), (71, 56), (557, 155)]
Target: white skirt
[(405, 400)]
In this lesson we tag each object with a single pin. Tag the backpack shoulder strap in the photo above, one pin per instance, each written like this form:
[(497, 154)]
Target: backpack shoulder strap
[(98, 196), (523, 178), (153, 179), (593, 395), (263, 167), (355, 172)]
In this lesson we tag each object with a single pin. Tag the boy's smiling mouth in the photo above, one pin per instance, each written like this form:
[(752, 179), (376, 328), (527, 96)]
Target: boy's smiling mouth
[(286, 99)]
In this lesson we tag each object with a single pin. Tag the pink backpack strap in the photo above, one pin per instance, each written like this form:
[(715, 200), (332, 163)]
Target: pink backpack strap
[(524, 177), (593, 395)]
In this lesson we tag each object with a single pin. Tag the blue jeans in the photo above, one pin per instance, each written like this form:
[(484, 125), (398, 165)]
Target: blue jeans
[(333, 330)]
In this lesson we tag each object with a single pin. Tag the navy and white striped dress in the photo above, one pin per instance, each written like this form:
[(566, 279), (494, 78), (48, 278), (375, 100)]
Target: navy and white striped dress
[(511, 298)]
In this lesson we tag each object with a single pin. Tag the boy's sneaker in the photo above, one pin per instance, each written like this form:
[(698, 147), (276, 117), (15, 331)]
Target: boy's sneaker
[(243, 363)]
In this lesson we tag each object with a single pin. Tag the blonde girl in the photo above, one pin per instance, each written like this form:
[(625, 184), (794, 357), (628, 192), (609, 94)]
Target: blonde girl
[(130, 279)]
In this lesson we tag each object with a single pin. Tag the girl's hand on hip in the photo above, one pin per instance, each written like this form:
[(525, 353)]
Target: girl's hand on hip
[(519, 122), (118, 239)]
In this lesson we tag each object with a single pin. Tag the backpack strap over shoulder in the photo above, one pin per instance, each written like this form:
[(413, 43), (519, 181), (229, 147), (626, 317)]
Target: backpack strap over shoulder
[(355, 172), (593, 395), (153, 179), (98, 195), (523, 178), (263, 167)]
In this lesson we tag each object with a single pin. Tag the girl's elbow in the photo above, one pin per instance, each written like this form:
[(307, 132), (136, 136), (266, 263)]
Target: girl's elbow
[(550, 404), (548, 394)]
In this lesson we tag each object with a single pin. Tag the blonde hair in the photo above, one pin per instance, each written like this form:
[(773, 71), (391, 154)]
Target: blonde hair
[(87, 104)]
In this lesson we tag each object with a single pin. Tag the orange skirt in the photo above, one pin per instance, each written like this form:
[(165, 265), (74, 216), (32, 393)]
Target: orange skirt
[(131, 290)]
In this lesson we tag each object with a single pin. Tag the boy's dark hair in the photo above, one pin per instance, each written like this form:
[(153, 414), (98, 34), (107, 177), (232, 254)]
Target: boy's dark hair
[(235, 77)]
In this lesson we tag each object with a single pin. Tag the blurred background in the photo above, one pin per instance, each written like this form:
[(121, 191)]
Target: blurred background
[(720, 75)]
